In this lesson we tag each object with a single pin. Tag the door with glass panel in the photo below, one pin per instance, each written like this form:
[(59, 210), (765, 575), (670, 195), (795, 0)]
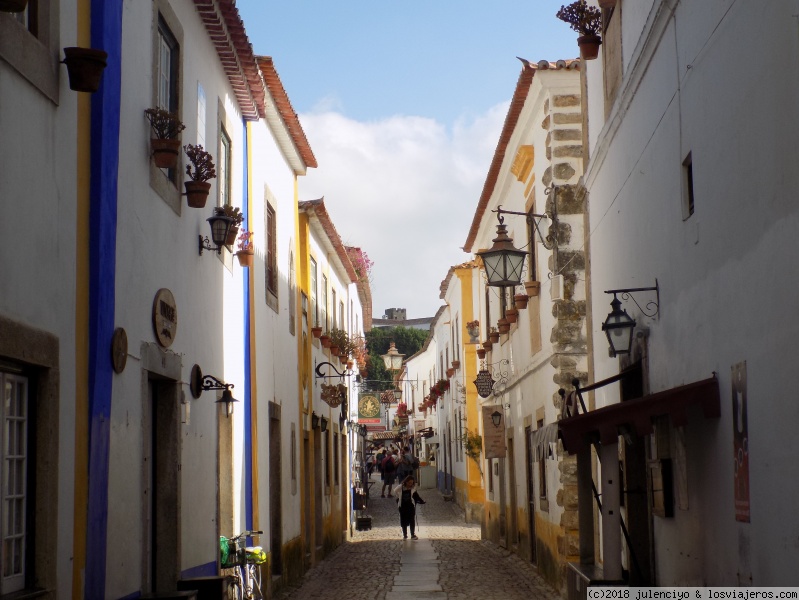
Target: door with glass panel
[(13, 475)]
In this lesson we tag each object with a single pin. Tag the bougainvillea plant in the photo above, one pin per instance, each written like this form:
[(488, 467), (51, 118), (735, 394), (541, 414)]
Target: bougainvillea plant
[(584, 19)]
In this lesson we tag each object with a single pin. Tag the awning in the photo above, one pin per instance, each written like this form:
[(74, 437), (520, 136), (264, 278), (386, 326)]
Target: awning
[(541, 441), (603, 424), (383, 435)]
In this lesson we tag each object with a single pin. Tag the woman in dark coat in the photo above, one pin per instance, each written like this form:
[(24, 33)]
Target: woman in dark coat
[(407, 497)]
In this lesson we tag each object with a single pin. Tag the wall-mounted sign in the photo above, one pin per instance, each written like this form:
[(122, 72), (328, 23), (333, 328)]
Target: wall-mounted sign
[(368, 409), (493, 436), (165, 317), (119, 350)]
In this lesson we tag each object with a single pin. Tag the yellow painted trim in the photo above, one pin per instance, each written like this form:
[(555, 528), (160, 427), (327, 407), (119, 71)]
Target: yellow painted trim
[(256, 513), (83, 177)]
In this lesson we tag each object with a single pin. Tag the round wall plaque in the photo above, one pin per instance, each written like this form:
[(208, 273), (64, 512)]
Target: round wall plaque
[(119, 350), (165, 317)]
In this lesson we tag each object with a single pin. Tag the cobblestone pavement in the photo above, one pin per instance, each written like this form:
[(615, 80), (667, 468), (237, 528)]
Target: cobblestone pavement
[(379, 565)]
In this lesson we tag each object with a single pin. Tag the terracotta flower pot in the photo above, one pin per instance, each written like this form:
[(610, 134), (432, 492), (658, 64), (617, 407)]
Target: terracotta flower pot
[(334, 350), (494, 336), (488, 344), (245, 257), (349, 364), (13, 6), (503, 325), (589, 46), (607, 3), (316, 331), (521, 301), (481, 353), (165, 152), (197, 193), (232, 235), (533, 288), (450, 372), (325, 339), (85, 68)]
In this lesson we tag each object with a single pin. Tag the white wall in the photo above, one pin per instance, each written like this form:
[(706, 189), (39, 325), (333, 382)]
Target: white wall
[(715, 86)]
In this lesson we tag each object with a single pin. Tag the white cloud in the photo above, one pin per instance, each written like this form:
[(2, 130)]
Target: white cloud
[(405, 190)]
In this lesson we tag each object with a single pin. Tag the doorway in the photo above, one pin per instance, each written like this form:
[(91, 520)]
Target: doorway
[(318, 516), (162, 488), (503, 509), (528, 432), (275, 492), (306, 494), (513, 530)]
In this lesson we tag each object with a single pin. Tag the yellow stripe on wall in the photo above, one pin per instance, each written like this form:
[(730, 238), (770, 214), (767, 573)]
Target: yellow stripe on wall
[(256, 513), (81, 497)]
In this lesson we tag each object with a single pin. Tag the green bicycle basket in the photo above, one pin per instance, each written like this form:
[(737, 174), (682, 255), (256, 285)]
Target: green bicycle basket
[(227, 553)]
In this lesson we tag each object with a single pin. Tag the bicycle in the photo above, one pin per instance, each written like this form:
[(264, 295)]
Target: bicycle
[(245, 562)]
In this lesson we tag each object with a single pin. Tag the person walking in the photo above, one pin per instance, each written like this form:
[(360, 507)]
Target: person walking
[(405, 466), (407, 497), (389, 468)]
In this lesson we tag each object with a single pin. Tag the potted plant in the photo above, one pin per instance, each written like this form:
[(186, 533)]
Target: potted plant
[(339, 343), (511, 315), (533, 288), (585, 20), (238, 218), (85, 68), (164, 143), (316, 331), (488, 344), (450, 372), (493, 335), (246, 252), (520, 300), (325, 340), (473, 329), (481, 353), (503, 325), (200, 170)]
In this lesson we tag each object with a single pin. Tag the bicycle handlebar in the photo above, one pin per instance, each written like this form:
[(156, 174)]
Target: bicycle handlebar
[(247, 534)]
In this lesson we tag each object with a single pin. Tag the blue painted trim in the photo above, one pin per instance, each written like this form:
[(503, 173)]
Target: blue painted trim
[(133, 596), (106, 33), (248, 474), (206, 570)]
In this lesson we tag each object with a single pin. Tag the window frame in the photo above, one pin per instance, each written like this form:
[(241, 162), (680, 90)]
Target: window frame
[(314, 285), (270, 255), (35, 55), (225, 183)]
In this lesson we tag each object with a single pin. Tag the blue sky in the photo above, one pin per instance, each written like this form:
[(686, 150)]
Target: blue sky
[(402, 103)]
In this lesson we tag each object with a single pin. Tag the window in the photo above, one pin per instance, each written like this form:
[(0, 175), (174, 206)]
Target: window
[(457, 350), (333, 309), (224, 173), (166, 86), (293, 458), (542, 475), (324, 302), (688, 187), (335, 459), (29, 42), (292, 295), (326, 455), (167, 74), (612, 53), (341, 318), (271, 251), (314, 285), (14, 488)]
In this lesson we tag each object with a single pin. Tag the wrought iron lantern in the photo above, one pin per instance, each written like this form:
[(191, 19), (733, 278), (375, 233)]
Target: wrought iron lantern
[(496, 418), (392, 359), (503, 261), (618, 327), (220, 227)]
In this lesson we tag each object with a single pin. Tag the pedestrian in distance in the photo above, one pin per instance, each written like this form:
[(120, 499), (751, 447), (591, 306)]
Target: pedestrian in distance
[(389, 471), (407, 498), (406, 464), (379, 461)]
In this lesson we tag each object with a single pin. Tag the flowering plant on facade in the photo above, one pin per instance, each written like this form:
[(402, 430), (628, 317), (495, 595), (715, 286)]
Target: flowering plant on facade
[(165, 125), (362, 264), (246, 242), (201, 161), (473, 324), (584, 19)]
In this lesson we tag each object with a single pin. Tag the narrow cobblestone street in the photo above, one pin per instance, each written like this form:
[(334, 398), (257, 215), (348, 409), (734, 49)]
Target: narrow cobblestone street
[(449, 561)]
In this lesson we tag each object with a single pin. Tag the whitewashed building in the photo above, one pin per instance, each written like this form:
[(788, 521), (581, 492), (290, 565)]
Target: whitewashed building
[(690, 181)]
